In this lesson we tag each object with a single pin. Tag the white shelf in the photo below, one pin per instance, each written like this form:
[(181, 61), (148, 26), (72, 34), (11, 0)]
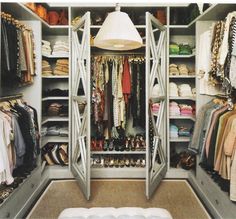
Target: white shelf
[(183, 117), (56, 56), (55, 98), (182, 56), (178, 26), (118, 152), (182, 98), (118, 172), (54, 139), (182, 76), (56, 76), (180, 139), (54, 119)]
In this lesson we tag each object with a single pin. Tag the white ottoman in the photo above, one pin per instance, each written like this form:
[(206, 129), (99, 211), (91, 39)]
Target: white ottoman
[(115, 213)]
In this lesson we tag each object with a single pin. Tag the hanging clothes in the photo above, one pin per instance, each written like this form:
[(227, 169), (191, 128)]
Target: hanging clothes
[(17, 49), (19, 139)]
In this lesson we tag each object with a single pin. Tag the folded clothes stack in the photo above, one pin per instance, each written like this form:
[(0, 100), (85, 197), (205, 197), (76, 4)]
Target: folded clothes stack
[(46, 68), (155, 108), (174, 131), (60, 48), (185, 90), (186, 110), (46, 48), (55, 131), (183, 70), (180, 49), (54, 109), (174, 109), (184, 132), (173, 88), (55, 93), (173, 69), (62, 67)]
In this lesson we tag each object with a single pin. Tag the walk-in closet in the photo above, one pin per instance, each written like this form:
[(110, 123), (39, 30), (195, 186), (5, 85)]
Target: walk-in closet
[(76, 106)]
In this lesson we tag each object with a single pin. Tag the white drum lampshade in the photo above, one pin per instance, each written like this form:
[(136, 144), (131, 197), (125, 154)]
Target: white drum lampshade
[(118, 33)]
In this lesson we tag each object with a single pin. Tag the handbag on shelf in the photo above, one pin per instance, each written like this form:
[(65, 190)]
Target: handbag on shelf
[(63, 19), (53, 17), (42, 12), (31, 6)]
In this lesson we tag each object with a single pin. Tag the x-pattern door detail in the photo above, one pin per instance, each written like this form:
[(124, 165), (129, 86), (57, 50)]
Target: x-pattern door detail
[(80, 155), (155, 74)]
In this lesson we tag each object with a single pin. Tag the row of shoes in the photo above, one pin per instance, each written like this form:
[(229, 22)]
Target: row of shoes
[(6, 190), (118, 161), (130, 143), (55, 154), (184, 160)]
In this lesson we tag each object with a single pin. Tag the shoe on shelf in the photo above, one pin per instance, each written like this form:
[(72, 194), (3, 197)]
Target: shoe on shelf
[(106, 162), (142, 143), (132, 162), (138, 163), (132, 143), (122, 162), (143, 163), (111, 145), (137, 143), (111, 162), (116, 162), (106, 145), (127, 162)]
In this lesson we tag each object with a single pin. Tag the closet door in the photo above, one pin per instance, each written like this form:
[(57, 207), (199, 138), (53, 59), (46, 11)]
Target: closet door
[(156, 167), (80, 115)]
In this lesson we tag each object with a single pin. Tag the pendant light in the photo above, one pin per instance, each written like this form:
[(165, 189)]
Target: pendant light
[(118, 33)]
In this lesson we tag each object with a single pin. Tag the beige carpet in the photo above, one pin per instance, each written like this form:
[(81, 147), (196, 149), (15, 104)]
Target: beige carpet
[(174, 195)]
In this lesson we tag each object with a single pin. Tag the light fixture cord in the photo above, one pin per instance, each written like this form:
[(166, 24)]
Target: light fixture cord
[(117, 7)]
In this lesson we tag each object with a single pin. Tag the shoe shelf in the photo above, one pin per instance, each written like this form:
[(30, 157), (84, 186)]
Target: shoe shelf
[(180, 139), (56, 77), (118, 152), (182, 76), (55, 98), (53, 139), (121, 172), (183, 117), (182, 98), (182, 56), (54, 119)]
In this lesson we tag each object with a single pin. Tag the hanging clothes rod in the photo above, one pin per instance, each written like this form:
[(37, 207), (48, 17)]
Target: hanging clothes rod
[(118, 54), (11, 97)]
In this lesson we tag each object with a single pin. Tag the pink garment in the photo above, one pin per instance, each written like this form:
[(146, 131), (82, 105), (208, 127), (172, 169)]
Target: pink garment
[(126, 81)]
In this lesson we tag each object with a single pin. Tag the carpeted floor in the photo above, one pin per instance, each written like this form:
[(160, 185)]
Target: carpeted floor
[(176, 196)]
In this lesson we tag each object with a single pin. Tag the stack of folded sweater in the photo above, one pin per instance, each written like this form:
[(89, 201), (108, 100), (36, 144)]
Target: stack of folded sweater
[(186, 110), (46, 48), (55, 93), (156, 91), (62, 67), (174, 131), (173, 69), (60, 48), (185, 90), (184, 132), (183, 70), (155, 108), (173, 88), (54, 109), (174, 109), (46, 68), (55, 131)]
